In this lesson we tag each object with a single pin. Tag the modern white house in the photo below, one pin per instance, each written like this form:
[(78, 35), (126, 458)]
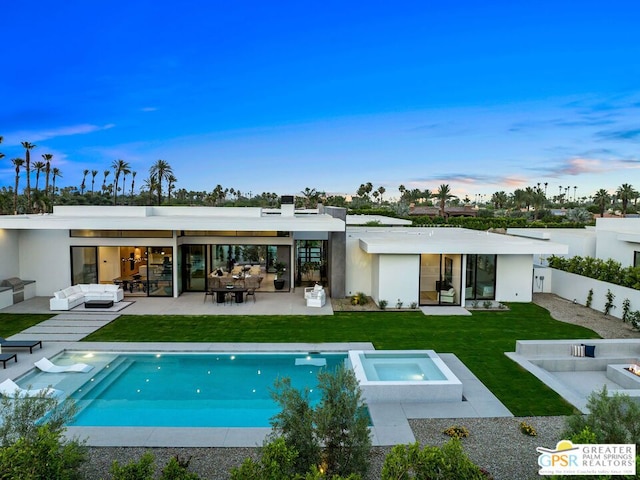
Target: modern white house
[(165, 251)]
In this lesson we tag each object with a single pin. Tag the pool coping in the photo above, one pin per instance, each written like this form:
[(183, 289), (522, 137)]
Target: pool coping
[(390, 420)]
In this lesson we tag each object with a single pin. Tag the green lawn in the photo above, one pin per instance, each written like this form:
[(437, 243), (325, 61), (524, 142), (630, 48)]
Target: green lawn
[(479, 340), (12, 323)]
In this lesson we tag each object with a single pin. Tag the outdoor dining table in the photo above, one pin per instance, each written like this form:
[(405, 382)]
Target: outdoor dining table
[(238, 292)]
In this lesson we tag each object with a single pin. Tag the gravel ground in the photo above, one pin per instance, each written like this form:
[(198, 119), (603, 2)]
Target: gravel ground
[(493, 443)]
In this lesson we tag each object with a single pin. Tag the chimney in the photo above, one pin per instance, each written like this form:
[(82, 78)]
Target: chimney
[(287, 206)]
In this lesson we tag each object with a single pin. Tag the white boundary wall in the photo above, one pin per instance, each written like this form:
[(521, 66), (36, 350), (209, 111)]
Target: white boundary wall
[(576, 287)]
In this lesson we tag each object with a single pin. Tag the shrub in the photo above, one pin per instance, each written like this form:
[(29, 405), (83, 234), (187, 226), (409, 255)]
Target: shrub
[(277, 462), (140, 470), (448, 461), (399, 304), (334, 434), (383, 304), (360, 298), (528, 429), (414, 305), (36, 449), (609, 304), (626, 310), (456, 431), (178, 469), (295, 424), (487, 304), (612, 419), (589, 298)]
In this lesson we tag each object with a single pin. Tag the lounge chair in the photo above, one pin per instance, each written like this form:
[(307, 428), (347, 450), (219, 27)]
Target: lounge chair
[(10, 389), (47, 365), (30, 344)]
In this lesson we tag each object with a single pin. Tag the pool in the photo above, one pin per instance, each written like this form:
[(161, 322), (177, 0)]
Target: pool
[(404, 376), (182, 389)]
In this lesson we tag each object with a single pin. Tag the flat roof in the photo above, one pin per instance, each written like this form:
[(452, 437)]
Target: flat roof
[(398, 240), (170, 218), (381, 219)]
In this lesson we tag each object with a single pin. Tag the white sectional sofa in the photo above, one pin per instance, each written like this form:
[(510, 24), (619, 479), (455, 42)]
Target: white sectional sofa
[(73, 296)]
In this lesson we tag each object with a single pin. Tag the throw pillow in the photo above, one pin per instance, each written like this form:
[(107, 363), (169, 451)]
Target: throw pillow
[(590, 351)]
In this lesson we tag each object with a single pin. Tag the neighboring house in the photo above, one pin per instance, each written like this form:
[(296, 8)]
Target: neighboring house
[(463, 211), (617, 238), (165, 251)]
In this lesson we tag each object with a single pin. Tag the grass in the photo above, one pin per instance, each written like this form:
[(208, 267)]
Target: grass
[(12, 323), (479, 341)]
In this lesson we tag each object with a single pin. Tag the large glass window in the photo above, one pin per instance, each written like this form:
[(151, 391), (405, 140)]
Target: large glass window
[(84, 265), (311, 262), (194, 268), (481, 277), (270, 263), (440, 279)]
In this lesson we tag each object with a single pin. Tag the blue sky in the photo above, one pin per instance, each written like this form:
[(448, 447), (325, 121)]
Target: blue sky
[(279, 96)]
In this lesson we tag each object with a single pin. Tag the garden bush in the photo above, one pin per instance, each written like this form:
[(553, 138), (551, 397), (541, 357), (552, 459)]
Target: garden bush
[(334, 436), (437, 463), (33, 449)]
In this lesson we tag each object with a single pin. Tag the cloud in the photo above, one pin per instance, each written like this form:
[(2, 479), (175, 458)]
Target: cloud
[(631, 134), (574, 166), (467, 179), (14, 138)]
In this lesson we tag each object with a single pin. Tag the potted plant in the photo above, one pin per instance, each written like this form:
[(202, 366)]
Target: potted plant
[(278, 281)]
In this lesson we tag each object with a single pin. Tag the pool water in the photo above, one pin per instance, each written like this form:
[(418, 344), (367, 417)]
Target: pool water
[(192, 390)]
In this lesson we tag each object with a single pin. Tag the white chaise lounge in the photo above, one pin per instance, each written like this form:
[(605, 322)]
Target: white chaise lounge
[(75, 295), (10, 389), (48, 366)]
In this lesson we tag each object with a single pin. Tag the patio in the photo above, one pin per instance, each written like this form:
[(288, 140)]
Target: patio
[(280, 303)]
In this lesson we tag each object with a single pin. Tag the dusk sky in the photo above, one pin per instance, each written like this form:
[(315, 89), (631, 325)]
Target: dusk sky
[(279, 96)]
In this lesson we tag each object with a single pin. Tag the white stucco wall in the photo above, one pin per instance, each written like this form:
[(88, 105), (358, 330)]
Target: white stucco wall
[(576, 287), (9, 264), (358, 268), (44, 257), (398, 277), (609, 246), (514, 278)]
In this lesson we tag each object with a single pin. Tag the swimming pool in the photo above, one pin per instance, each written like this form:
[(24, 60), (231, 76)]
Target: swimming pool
[(182, 389)]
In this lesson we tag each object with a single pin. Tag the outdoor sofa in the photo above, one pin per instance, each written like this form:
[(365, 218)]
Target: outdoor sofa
[(75, 295)]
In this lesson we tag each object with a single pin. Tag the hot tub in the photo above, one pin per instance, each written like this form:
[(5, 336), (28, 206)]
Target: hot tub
[(404, 376)]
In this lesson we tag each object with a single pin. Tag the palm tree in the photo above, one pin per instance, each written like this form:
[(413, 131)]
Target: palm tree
[(119, 167), (104, 180), (38, 167), (55, 173), (381, 191), (133, 182), (499, 199), (443, 194), (17, 163), (85, 172), (160, 171), (625, 193), (28, 146), (601, 199), (93, 179), (171, 181), (47, 171)]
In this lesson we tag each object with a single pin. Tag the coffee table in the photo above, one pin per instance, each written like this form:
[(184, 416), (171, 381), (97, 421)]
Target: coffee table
[(98, 304)]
